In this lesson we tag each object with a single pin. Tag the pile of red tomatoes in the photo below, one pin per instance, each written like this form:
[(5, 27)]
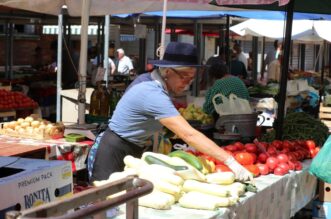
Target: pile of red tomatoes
[(277, 157)]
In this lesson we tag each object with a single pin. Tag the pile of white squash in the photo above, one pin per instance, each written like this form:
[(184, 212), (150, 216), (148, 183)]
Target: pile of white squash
[(190, 188)]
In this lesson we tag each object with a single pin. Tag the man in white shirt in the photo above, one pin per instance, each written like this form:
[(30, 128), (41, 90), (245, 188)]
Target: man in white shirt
[(240, 55), (124, 64)]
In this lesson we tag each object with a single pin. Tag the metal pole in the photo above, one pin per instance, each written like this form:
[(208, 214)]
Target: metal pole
[(59, 67), (197, 43), (322, 71), (11, 50), (82, 61), (285, 67), (105, 49), (157, 39), (98, 43), (302, 56), (227, 41), (255, 43), (164, 24), (6, 50), (262, 57)]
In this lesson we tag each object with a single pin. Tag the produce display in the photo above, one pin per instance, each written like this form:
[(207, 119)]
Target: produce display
[(260, 90), (32, 127), (195, 114), (13, 100), (181, 178), (277, 157), (300, 125), (195, 180)]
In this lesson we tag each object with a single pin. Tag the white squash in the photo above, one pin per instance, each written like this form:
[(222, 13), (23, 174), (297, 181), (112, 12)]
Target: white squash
[(212, 189), (161, 185), (157, 200), (224, 178)]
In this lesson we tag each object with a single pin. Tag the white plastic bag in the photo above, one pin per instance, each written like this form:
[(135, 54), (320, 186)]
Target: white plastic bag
[(224, 107), (231, 105)]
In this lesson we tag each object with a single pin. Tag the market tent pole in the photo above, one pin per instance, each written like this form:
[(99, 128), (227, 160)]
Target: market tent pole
[(164, 24), (59, 67), (322, 71), (285, 68), (83, 61), (105, 50)]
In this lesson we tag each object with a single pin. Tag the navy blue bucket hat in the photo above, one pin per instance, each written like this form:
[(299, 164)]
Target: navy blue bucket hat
[(178, 54)]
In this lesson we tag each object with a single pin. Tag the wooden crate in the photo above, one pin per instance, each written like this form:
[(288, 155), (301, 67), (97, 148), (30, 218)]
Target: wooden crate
[(325, 115)]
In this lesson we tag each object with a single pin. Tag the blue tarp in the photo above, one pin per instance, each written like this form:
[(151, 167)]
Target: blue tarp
[(270, 15)]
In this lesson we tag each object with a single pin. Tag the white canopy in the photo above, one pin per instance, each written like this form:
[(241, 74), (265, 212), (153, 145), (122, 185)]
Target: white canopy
[(303, 30), (105, 7)]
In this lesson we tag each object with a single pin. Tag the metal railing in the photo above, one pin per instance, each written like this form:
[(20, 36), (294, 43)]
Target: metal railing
[(95, 198)]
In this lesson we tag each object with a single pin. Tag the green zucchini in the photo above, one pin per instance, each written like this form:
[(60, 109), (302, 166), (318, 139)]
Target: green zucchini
[(154, 160), (189, 158)]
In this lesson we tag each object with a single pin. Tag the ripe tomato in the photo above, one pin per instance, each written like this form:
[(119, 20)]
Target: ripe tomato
[(264, 169), (298, 165), (240, 146), (244, 158), (272, 163), (291, 165), (282, 158), (222, 168), (262, 158), (284, 166), (253, 169), (310, 144), (231, 148), (250, 147), (272, 151), (279, 171), (254, 156)]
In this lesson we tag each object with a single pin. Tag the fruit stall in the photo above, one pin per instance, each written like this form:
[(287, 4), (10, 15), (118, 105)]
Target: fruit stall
[(34, 137)]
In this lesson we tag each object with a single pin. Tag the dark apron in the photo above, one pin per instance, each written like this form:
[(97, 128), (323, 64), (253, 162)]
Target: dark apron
[(110, 153), (107, 154)]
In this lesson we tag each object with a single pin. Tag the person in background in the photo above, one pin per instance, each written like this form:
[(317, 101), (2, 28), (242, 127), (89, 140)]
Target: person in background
[(271, 56), (250, 61), (240, 55), (111, 63), (274, 69), (145, 108), (237, 68), (37, 58), (225, 84), (124, 64)]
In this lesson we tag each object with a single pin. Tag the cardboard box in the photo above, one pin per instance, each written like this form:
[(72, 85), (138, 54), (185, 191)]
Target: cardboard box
[(26, 183), (324, 191), (321, 210)]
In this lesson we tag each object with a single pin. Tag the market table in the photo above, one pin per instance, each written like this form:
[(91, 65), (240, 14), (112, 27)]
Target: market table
[(52, 149), (278, 197)]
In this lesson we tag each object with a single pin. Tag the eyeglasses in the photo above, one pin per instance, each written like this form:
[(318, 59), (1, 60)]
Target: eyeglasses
[(187, 79)]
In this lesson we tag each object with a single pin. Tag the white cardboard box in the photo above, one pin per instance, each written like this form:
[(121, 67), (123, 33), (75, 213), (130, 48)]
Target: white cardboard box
[(26, 183)]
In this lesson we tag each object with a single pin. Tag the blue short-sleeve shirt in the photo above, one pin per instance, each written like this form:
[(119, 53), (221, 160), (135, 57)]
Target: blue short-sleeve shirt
[(137, 114)]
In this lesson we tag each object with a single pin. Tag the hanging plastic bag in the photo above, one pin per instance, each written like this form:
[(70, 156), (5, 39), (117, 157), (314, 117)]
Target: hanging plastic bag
[(231, 105), (239, 105), (320, 166), (222, 108)]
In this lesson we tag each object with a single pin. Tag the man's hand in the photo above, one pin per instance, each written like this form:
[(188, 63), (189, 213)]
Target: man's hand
[(241, 173)]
